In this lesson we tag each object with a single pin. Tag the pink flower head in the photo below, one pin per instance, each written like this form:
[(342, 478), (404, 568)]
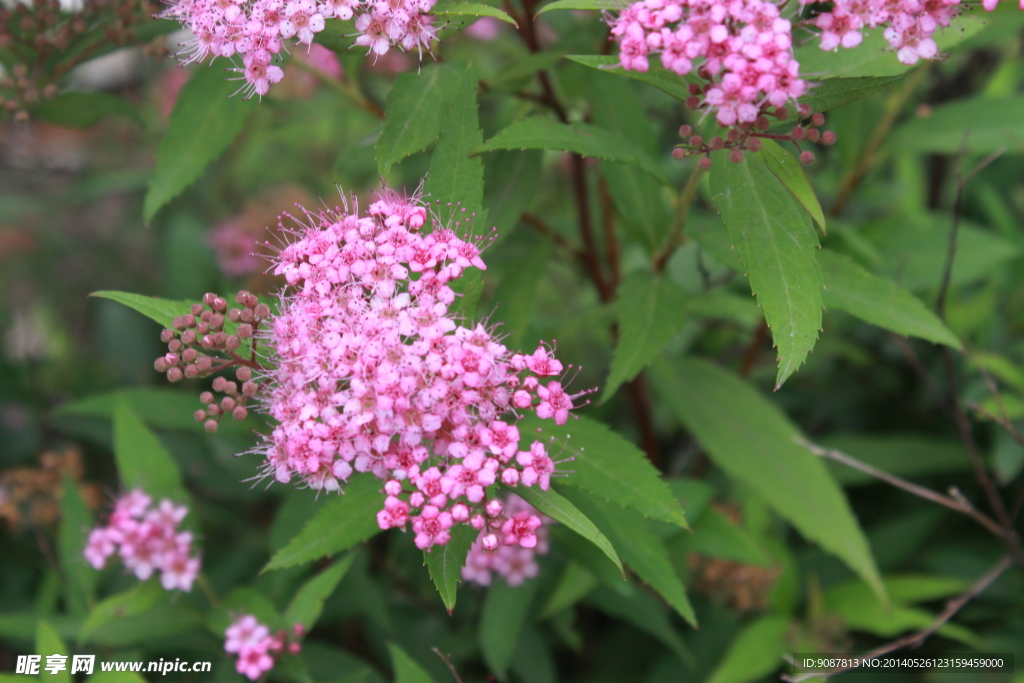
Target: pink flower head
[(508, 556)]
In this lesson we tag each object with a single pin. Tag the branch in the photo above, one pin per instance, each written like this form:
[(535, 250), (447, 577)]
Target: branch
[(957, 502), (916, 639)]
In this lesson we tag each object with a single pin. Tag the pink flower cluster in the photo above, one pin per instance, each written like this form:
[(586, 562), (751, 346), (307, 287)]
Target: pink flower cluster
[(744, 50), (374, 374), (146, 539), (909, 24), (493, 553), (255, 30), (255, 646)]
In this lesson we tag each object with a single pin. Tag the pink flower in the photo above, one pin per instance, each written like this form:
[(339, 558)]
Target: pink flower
[(513, 562)]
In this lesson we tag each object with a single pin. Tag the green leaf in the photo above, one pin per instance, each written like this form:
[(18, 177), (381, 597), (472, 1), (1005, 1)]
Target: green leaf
[(978, 124), (133, 602), (413, 115), (206, 119), (142, 461), (874, 57), (75, 521), (407, 669), (906, 455), (518, 291), (639, 546), (561, 510), (639, 204), (645, 613), (715, 536), (832, 93), (502, 618), (511, 180), (661, 78), (445, 563), (165, 620), (755, 652), (753, 441), (308, 603), (347, 519), (471, 9), (163, 311), (456, 180), (879, 301), (777, 244), (468, 290), (789, 172), (694, 495), (652, 310), (608, 467), (598, 5), (538, 132), (83, 109), (158, 408), (243, 601), (572, 586), (48, 642), (337, 35)]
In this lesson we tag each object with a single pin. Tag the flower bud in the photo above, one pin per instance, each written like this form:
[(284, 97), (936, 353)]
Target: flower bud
[(736, 156), (806, 157), (704, 163), (227, 404), (243, 373), (242, 296), (818, 119), (202, 328), (781, 113), (175, 345), (216, 321), (678, 153), (828, 137), (218, 383), (754, 144), (733, 135), (213, 409), (206, 397), (239, 413), (204, 363), (168, 335), (246, 316), (696, 141), (489, 542), (813, 134), (160, 365), (200, 415), (189, 355), (191, 372), (249, 388), (716, 143), (210, 426), (206, 316), (262, 311), (209, 298), (219, 338), (232, 342), (233, 314), (197, 309), (219, 305), (230, 388), (692, 101), (685, 131), (174, 374), (798, 133), (171, 359)]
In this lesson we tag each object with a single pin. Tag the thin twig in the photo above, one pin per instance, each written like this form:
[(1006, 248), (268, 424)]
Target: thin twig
[(448, 662), (1001, 421), (351, 91), (611, 242), (559, 239), (682, 210), (957, 504), (917, 639)]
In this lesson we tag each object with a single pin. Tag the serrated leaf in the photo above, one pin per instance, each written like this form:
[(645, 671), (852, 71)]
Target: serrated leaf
[(832, 93), (608, 466), (308, 603), (777, 243), (978, 125), (49, 642), (142, 461), (538, 132), (347, 519), (407, 669), (412, 115), (755, 652), (790, 173), (511, 180), (205, 121), (471, 9), (163, 311), (639, 546), (576, 4), (445, 563), (878, 300), (639, 204), (75, 521), (561, 510), (83, 109), (661, 78), (651, 311), (753, 441), (133, 602), (518, 291), (455, 183), (874, 57), (503, 615), (645, 613)]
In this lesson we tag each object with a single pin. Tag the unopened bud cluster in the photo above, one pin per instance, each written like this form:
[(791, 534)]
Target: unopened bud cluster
[(256, 648), (744, 138), (211, 338), (48, 41)]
